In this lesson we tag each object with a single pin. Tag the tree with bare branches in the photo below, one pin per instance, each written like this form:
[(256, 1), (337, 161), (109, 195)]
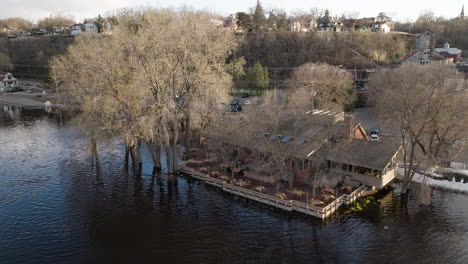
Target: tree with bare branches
[(57, 21), (320, 86), (427, 109), (5, 62), (143, 86)]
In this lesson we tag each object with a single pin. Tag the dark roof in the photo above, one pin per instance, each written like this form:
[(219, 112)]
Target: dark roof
[(314, 135), (364, 153), (309, 133)]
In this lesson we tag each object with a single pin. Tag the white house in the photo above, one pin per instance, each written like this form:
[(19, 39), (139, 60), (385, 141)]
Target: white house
[(7, 81), (294, 26), (76, 29), (381, 27), (90, 26)]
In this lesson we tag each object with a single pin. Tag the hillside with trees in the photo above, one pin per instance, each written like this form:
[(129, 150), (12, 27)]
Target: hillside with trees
[(285, 50)]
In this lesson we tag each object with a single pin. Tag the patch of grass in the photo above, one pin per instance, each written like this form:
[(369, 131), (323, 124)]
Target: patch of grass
[(361, 204)]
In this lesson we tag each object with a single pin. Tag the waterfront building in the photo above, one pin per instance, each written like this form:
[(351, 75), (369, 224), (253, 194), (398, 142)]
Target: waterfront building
[(320, 142)]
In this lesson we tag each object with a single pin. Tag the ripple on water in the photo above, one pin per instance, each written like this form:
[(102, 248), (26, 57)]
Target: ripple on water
[(60, 205)]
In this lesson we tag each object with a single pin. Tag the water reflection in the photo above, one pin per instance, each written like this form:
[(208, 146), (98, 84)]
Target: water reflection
[(61, 204)]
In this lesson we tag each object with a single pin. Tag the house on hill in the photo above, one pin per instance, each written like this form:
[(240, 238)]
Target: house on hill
[(450, 53), (426, 52), (329, 24), (7, 81), (381, 23)]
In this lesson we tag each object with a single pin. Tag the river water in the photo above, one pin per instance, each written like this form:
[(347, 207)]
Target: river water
[(60, 205)]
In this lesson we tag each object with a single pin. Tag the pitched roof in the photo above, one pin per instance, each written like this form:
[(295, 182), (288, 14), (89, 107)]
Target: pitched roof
[(364, 153), (453, 51), (306, 133), (308, 137)]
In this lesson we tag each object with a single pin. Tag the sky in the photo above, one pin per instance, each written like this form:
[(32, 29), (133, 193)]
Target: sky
[(398, 9)]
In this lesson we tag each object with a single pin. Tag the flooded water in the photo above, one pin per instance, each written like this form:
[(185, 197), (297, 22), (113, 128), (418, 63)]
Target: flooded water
[(59, 205)]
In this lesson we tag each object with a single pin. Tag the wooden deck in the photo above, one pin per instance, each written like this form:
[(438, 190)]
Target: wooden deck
[(259, 177), (287, 205)]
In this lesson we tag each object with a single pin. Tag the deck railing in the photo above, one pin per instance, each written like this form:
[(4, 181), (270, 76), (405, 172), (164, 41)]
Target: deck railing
[(288, 205)]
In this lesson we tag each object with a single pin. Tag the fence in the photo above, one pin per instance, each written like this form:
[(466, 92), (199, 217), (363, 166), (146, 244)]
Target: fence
[(290, 205)]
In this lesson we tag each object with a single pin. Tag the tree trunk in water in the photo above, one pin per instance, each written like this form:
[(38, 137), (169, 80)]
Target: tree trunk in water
[(155, 150), (127, 154), (93, 145), (139, 159), (188, 137), (133, 155), (136, 157), (169, 160), (405, 185), (174, 148)]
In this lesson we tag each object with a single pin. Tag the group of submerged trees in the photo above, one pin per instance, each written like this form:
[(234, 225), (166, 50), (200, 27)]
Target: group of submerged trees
[(160, 72)]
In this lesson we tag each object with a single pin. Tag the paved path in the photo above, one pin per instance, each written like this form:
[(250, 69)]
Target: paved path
[(20, 99), (367, 117)]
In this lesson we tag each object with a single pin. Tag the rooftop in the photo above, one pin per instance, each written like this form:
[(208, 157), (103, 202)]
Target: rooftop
[(453, 51), (364, 153)]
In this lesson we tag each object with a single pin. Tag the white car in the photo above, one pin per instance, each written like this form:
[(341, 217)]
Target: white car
[(247, 102)]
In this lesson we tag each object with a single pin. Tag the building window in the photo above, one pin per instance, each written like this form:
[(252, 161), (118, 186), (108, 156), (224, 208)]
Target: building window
[(344, 167)]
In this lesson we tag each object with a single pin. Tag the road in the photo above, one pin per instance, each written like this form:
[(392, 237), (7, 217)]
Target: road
[(21, 99), (367, 117)]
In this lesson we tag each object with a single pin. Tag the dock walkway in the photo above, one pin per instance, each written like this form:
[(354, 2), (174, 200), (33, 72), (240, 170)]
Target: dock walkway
[(287, 205)]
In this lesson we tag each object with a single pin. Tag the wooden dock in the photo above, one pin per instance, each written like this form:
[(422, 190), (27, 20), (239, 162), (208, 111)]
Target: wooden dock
[(287, 205)]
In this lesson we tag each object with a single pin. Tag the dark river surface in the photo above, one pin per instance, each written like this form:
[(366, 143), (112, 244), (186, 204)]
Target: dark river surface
[(58, 205)]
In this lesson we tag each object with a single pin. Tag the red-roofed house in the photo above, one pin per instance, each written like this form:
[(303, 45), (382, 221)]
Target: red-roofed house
[(7, 81), (449, 52)]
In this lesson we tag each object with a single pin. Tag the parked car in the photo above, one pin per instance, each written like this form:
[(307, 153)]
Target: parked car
[(247, 102), (236, 108), (375, 133), (245, 95), (32, 90)]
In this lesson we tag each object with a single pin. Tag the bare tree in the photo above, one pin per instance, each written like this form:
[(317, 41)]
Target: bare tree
[(100, 82), (427, 108), (142, 86), (15, 24), (55, 21), (5, 62), (320, 86)]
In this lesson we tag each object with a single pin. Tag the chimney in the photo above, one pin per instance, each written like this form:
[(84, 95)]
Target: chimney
[(446, 46), (349, 127)]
